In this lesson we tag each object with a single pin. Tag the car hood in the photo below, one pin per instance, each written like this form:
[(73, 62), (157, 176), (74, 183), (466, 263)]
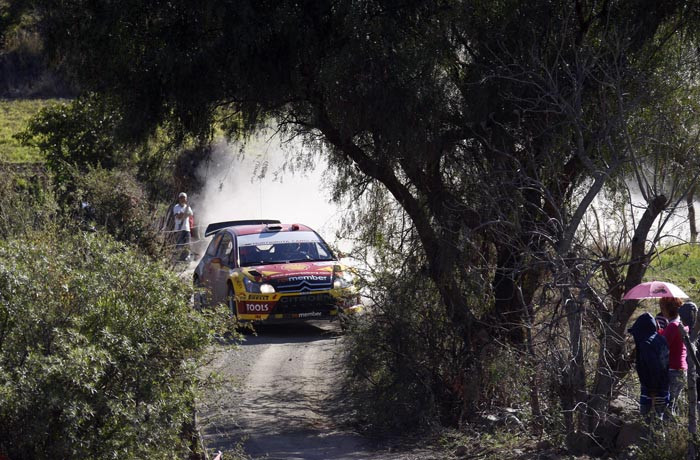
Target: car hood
[(306, 271)]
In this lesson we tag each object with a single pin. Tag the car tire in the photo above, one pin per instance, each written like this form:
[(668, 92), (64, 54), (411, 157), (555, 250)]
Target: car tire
[(199, 297), (231, 300)]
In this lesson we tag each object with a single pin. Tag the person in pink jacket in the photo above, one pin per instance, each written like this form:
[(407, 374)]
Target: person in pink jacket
[(677, 365)]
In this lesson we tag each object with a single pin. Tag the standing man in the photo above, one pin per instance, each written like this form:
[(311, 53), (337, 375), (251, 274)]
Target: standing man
[(182, 212)]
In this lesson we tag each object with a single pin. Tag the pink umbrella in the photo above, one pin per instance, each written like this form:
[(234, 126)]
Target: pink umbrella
[(655, 289)]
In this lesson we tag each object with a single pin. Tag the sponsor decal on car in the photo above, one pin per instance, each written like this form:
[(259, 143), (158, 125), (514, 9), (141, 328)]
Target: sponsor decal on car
[(257, 307), (309, 314), (281, 275), (258, 297), (308, 278)]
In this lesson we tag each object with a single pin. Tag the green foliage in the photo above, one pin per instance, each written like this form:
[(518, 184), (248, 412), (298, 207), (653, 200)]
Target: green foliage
[(407, 362), (484, 121), (679, 265), (79, 134), (27, 200), (505, 381), (118, 205), (14, 117), (85, 134), (399, 357), (668, 441), (97, 350)]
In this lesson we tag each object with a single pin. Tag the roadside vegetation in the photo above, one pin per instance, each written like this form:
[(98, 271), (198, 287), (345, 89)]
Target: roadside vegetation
[(15, 115), (679, 264), (99, 346), (512, 169), (99, 350)]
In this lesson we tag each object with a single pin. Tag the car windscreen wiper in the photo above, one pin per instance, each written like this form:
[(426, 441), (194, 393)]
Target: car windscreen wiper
[(307, 260)]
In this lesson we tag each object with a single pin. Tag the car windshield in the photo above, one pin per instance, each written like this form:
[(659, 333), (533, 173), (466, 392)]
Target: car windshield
[(281, 247)]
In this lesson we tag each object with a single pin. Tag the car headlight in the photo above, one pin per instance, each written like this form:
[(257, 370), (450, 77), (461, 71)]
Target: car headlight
[(342, 282), (258, 288)]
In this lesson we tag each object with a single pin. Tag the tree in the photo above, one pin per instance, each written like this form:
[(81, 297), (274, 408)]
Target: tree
[(486, 123)]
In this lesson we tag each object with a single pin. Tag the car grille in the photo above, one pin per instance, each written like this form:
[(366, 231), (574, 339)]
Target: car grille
[(303, 285), (305, 303)]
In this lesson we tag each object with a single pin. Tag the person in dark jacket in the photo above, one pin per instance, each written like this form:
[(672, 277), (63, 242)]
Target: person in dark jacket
[(652, 365)]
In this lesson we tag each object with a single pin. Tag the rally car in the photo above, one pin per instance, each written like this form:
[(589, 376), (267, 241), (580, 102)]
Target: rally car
[(268, 271)]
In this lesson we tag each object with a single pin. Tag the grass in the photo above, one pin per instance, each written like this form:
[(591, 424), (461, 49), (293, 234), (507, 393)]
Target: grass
[(14, 115), (679, 265), (501, 443)]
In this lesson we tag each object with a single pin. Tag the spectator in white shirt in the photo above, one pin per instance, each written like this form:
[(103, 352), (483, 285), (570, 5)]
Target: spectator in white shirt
[(182, 212)]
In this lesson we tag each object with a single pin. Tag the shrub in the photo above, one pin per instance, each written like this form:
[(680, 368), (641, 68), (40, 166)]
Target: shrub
[(119, 206), (410, 369), (78, 134), (666, 442), (97, 350), (402, 357), (27, 201)]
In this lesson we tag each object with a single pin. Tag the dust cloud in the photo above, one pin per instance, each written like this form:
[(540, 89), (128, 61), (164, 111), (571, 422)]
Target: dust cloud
[(248, 181)]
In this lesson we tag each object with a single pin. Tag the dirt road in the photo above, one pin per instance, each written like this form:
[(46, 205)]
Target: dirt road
[(276, 400)]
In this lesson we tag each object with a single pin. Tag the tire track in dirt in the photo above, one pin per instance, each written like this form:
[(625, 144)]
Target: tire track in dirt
[(275, 399)]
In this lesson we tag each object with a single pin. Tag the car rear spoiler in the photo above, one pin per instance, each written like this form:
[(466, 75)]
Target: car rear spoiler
[(215, 227)]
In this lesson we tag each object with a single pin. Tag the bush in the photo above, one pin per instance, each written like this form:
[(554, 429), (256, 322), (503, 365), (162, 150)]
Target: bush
[(78, 134), (97, 350), (119, 206), (27, 201), (403, 359), (666, 442), (410, 369)]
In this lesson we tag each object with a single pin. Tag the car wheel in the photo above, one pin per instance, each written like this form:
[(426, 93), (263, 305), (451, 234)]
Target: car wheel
[(199, 298), (231, 299)]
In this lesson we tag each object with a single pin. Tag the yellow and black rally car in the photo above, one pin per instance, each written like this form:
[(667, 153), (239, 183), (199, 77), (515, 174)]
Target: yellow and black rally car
[(268, 271)]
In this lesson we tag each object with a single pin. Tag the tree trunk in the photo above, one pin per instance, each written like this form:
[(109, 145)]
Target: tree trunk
[(576, 374), (610, 357), (442, 257), (508, 308), (691, 215)]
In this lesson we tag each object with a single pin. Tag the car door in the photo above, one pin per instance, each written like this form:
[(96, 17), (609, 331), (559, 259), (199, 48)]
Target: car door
[(206, 274), (221, 265)]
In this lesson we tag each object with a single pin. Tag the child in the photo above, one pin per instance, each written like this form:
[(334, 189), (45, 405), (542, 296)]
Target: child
[(652, 366)]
